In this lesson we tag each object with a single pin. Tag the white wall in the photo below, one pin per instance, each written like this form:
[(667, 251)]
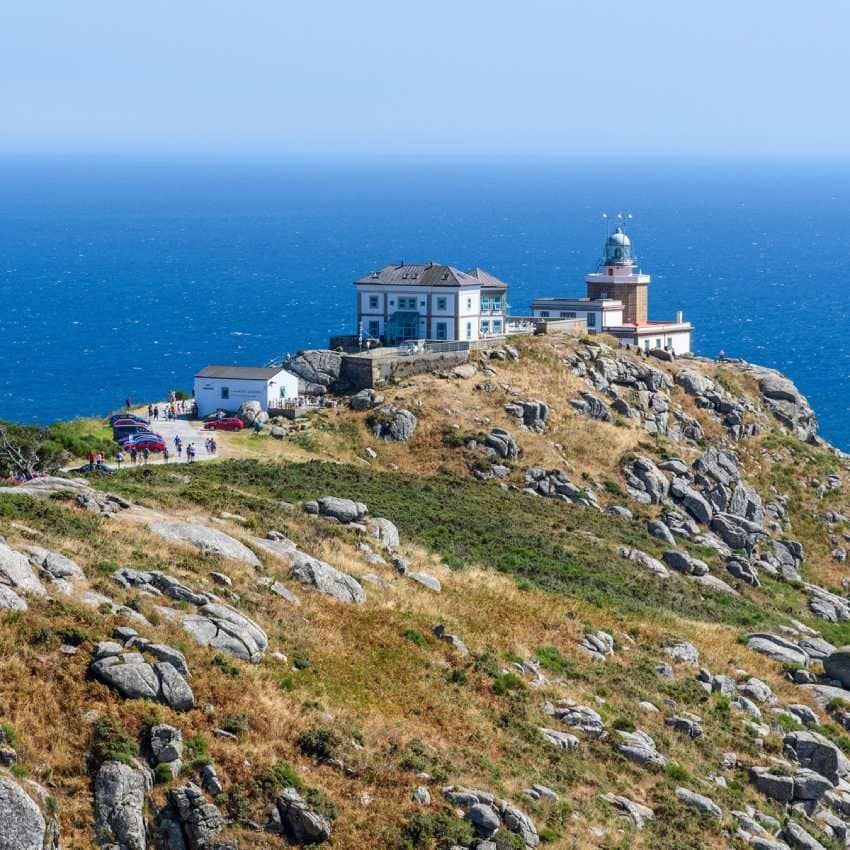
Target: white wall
[(208, 392)]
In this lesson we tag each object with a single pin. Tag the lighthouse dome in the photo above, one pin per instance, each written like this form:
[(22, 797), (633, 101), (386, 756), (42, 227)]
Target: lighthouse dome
[(618, 248)]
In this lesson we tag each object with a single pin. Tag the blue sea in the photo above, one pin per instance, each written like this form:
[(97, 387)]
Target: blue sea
[(123, 279)]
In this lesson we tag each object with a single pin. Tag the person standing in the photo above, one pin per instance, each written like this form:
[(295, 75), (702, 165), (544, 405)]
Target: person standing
[(165, 454), (190, 452), (145, 454), (119, 457), (134, 455)]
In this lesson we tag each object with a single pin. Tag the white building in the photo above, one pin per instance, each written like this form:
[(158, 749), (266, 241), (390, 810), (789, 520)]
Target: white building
[(227, 387), (430, 301), (617, 303)]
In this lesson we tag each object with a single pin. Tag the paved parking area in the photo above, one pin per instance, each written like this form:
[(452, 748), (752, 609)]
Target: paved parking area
[(189, 431)]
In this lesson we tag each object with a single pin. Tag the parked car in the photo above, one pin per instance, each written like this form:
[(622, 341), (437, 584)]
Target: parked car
[(122, 432), (229, 423), (219, 414), (151, 442), (129, 417)]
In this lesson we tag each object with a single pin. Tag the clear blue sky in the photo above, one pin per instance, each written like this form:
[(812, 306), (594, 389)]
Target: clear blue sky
[(562, 77)]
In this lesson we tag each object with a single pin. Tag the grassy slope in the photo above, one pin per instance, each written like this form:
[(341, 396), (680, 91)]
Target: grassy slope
[(523, 578)]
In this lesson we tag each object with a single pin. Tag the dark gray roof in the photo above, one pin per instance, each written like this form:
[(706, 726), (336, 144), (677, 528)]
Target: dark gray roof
[(245, 373), (431, 274)]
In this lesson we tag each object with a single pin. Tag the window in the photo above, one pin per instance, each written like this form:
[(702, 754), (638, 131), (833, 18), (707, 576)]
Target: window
[(485, 327), (544, 314), (658, 342), (469, 330), (225, 392), (591, 320), (497, 326), (441, 330), (567, 314), (374, 328), (468, 303), (646, 345), (407, 303), (441, 303), (373, 302)]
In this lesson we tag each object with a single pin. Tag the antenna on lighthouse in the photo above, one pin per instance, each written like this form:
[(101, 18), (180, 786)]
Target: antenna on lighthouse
[(607, 225)]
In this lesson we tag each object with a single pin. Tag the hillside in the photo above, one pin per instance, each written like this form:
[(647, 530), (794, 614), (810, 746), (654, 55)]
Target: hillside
[(564, 596)]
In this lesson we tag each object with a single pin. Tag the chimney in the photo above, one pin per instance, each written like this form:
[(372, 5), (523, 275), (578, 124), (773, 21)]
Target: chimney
[(680, 317)]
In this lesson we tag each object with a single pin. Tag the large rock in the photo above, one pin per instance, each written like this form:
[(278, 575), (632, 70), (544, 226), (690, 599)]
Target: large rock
[(693, 382), (22, 825), (119, 799), (221, 627), (837, 665), (16, 572), (318, 368), (134, 678), (737, 532), (640, 748), (385, 531), (344, 510), (301, 824), (210, 541), (704, 805), (393, 424), (798, 839), (326, 579), (637, 813), (503, 443), (778, 648), (644, 477), (787, 404), (814, 751), (199, 820), (54, 564)]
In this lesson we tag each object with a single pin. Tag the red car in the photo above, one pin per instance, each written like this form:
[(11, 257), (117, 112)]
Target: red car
[(229, 423), (151, 442)]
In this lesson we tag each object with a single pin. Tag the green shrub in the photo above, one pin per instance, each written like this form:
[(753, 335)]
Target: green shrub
[(456, 676), (416, 637), (111, 742), (505, 840), (279, 776), (226, 666), (300, 661), (321, 743), (320, 802), (623, 724), (236, 724), (507, 682), (9, 734), (197, 752), (551, 659), (19, 771), (676, 772), (435, 831), (162, 774)]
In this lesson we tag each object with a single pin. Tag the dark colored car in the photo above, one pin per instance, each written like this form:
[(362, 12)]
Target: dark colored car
[(129, 417), (229, 423), (151, 442), (122, 432)]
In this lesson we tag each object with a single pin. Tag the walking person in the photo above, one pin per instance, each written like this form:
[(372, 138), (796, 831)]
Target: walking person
[(145, 454), (119, 458), (91, 457), (156, 413), (190, 452), (165, 454), (150, 411), (134, 455), (178, 444)]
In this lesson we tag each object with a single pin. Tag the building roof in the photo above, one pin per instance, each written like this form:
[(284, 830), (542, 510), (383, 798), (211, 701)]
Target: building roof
[(242, 373), (431, 274)]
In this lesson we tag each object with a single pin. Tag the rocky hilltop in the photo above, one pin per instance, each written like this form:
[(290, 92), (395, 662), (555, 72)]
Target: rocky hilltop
[(564, 595)]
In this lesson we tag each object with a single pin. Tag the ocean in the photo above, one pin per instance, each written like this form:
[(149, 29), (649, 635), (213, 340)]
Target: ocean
[(123, 279)]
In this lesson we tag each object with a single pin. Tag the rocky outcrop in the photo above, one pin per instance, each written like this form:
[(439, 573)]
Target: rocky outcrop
[(319, 369), (22, 824), (786, 403), (133, 677), (222, 627), (326, 579), (119, 799), (554, 484), (210, 541), (393, 424), (197, 821), (533, 414), (488, 815), (17, 577), (342, 510), (778, 648), (299, 822), (503, 444), (837, 665), (637, 813)]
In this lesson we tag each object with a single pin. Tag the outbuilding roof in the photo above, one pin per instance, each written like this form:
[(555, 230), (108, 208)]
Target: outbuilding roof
[(243, 373), (431, 274)]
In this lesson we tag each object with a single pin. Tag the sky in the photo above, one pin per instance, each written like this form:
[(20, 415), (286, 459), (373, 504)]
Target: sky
[(269, 78)]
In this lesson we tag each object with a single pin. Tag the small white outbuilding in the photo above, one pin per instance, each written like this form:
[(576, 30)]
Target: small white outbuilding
[(227, 387)]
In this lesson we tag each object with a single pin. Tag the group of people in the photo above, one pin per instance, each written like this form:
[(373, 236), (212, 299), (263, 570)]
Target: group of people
[(136, 455), (191, 451)]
